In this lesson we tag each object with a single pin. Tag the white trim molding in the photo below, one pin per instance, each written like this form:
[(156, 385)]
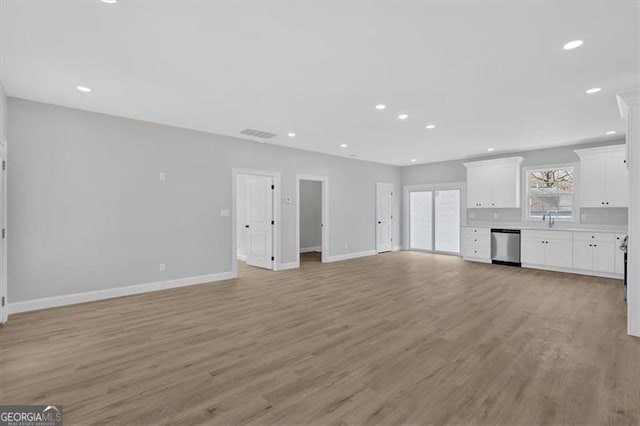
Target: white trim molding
[(289, 265), (629, 104), (277, 250), (348, 256), (92, 296), (310, 249)]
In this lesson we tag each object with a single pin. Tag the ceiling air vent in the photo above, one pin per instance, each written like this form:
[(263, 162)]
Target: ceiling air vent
[(258, 133)]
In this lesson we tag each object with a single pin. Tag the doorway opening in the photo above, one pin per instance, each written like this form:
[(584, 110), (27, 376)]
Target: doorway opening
[(312, 222), (256, 219), (434, 218)]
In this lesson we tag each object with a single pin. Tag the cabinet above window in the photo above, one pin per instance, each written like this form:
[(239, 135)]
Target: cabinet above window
[(494, 184), (604, 178)]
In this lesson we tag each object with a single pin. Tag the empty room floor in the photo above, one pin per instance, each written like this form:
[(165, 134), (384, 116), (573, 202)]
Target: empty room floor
[(397, 338)]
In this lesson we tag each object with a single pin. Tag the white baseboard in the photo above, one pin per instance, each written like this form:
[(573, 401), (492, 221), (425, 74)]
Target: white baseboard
[(351, 256), (91, 296), (310, 249), (397, 248), (289, 265), (241, 257), (575, 271), (475, 259)]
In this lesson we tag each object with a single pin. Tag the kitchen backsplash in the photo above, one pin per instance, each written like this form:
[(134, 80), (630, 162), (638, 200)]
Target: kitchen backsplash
[(588, 216)]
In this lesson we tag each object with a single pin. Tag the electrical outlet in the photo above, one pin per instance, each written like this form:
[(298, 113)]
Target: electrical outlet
[(163, 177), (346, 245), (496, 215), (583, 216), (225, 212), (472, 215), (163, 267)]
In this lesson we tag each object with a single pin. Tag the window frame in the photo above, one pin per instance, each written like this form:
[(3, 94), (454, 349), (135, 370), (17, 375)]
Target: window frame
[(575, 205)]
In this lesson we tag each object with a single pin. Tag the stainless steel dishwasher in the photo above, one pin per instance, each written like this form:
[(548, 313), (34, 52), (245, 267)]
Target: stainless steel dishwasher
[(505, 247)]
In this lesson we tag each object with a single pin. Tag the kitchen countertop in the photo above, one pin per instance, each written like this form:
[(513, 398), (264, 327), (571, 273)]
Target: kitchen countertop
[(559, 226)]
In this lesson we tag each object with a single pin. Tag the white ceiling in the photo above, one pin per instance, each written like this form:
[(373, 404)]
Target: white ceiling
[(488, 74)]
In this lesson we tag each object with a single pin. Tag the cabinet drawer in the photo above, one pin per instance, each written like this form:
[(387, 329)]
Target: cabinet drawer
[(594, 236), (475, 239), (560, 235), (547, 235), (476, 231)]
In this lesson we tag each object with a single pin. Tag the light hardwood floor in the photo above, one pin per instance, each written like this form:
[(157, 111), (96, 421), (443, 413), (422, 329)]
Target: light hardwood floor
[(399, 338)]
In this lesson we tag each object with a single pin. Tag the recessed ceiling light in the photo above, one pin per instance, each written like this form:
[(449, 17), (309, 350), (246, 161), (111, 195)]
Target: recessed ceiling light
[(291, 135), (413, 160), (491, 149), (403, 116), (381, 106), (84, 89), (611, 132), (593, 90), (344, 145), (572, 45), (431, 126)]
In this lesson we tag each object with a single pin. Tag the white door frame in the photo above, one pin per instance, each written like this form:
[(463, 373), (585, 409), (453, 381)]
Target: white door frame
[(325, 215), (391, 219), (4, 310), (462, 186), (276, 215)]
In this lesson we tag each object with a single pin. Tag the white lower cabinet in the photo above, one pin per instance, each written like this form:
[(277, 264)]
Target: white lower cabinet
[(476, 244), (594, 252), (589, 253), (547, 248)]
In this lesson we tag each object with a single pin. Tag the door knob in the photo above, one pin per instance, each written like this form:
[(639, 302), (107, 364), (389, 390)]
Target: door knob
[(380, 222), (246, 226)]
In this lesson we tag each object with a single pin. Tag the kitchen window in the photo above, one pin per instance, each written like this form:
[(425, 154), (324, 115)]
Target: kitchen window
[(551, 190)]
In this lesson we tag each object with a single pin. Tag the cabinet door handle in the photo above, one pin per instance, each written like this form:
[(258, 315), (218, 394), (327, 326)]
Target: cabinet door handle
[(602, 203), (607, 203), (595, 245), (590, 245)]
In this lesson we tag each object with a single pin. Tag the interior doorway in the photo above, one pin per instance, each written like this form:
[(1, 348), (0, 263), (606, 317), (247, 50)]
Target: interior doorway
[(256, 218), (434, 218), (312, 222)]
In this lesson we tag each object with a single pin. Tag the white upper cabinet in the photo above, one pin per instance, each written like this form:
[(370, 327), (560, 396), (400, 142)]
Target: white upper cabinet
[(604, 177), (494, 183)]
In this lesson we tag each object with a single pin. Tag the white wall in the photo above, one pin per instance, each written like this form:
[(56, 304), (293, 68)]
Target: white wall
[(87, 210), (310, 214), (4, 111)]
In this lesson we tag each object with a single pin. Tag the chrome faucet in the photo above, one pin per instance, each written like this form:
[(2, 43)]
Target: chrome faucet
[(548, 217)]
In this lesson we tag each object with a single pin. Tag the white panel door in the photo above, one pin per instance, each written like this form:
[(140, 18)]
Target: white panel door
[(260, 213), (384, 217), (559, 253), (604, 256), (533, 251), (583, 255), (592, 182), (504, 191), (617, 180), (478, 187), (619, 256)]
